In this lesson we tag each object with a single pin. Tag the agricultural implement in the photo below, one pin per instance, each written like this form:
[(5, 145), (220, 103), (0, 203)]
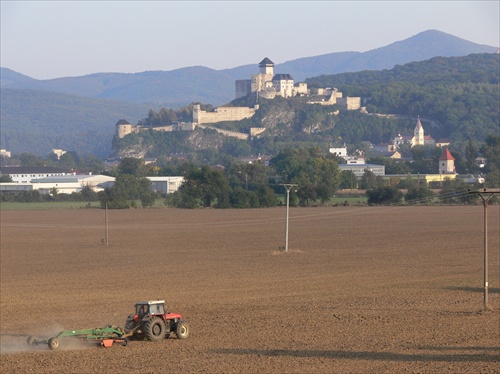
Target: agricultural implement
[(151, 321), (103, 336)]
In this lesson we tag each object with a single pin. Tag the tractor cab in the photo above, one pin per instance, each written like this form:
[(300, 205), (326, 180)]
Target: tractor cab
[(147, 308)]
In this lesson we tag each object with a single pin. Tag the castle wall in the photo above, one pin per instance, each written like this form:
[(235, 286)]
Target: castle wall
[(259, 81), (233, 134), (254, 131), (222, 114), (349, 103), (243, 87)]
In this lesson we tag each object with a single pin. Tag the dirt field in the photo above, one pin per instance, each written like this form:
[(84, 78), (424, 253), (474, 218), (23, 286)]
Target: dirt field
[(362, 289)]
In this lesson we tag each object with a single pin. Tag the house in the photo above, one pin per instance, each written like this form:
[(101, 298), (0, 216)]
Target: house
[(5, 153)]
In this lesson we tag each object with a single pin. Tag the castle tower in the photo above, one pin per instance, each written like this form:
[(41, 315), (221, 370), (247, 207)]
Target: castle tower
[(197, 113), (123, 128), (418, 134), (266, 74), (446, 163), (266, 66)]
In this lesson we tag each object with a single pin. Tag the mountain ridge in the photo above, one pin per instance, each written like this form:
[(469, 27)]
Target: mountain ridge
[(179, 87)]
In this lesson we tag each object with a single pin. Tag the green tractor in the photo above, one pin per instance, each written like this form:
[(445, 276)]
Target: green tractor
[(151, 321)]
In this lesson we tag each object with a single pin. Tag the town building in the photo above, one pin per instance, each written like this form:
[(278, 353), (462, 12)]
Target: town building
[(5, 153)]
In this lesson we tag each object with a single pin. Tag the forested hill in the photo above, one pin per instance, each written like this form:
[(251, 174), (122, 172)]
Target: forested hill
[(461, 93)]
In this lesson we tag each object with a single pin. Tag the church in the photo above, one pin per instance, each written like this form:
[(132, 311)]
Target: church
[(418, 138)]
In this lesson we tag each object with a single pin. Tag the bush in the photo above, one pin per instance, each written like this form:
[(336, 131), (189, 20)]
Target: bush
[(384, 195)]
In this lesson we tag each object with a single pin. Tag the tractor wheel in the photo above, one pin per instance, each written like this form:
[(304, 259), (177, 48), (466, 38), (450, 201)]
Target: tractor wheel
[(53, 343), (182, 329), (31, 340), (155, 329)]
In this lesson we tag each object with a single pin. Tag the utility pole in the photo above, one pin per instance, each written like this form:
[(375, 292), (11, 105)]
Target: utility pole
[(485, 195), (288, 188), (106, 223)]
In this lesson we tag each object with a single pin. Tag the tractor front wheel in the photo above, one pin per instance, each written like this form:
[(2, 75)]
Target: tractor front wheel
[(53, 343), (182, 329), (155, 329)]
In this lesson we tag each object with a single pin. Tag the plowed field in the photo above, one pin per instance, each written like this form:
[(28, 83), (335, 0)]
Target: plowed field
[(361, 290)]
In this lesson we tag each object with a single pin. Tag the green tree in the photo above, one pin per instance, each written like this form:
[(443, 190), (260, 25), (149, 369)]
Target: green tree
[(471, 152), (205, 185), (130, 185), (454, 191), (369, 180), (267, 197), (5, 178), (132, 166), (384, 195), (418, 195), (491, 151), (348, 180)]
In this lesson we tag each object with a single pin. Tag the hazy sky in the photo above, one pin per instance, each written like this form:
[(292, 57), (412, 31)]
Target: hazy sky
[(49, 39)]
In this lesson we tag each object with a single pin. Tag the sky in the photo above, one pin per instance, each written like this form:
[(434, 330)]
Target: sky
[(52, 39)]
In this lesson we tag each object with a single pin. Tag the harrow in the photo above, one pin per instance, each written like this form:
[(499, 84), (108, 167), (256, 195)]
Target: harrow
[(103, 336)]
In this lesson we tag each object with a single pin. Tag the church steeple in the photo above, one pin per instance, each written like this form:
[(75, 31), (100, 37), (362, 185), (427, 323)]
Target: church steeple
[(418, 134)]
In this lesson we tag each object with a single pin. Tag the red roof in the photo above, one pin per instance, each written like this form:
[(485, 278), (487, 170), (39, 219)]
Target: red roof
[(446, 156)]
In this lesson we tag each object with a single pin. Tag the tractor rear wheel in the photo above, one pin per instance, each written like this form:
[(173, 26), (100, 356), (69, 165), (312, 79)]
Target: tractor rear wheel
[(53, 343), (155, 329), (182, 329)]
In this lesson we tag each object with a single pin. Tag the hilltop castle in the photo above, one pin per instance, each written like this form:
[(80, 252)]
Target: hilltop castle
[(268, 85)]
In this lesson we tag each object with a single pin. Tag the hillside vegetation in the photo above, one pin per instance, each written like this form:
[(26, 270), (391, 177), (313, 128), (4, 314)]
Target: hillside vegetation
[(461, 94), (35, 121)]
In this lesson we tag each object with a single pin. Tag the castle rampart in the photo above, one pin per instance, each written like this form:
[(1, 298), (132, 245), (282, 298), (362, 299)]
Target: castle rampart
[(232, 134), (221, 114)]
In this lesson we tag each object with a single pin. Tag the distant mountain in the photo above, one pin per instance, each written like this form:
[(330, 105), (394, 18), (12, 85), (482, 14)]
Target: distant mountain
[(11, 78), (37, 121), (180, 87)]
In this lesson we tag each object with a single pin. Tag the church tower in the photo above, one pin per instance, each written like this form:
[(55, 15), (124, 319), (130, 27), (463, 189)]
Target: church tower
[(418, 134), (446, 163)]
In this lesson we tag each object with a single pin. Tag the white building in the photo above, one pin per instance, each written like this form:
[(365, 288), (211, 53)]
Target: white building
[(24, 174), (72, 183), (359, 169), (166, 185)]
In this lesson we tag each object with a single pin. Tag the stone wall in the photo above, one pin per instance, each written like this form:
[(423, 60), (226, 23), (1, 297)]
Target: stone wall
[(222, 114), (232, 134)]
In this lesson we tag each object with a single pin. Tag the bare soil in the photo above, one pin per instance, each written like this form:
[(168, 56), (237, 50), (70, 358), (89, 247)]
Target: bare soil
[(361, 290)]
